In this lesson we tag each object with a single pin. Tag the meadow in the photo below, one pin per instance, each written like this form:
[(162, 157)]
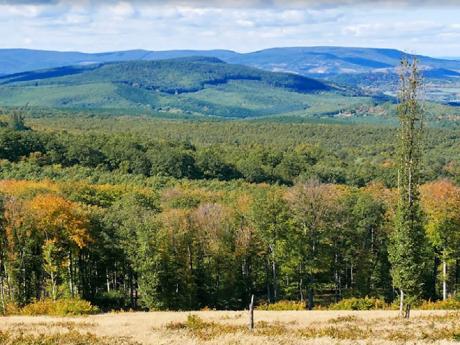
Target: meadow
[(230, 327)]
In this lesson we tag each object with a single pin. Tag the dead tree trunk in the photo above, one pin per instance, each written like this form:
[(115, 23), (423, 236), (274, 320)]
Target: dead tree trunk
[(2, 296), (444, 279), (401, 302), (251, 314)]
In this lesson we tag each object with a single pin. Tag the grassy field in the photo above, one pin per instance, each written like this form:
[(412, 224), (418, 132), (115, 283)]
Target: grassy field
[(225, 328)]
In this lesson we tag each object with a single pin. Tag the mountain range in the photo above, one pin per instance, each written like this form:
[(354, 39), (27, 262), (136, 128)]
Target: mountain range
[(312, 81), (308, 61)]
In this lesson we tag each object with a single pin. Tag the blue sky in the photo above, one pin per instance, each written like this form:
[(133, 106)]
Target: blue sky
[(423, 27)]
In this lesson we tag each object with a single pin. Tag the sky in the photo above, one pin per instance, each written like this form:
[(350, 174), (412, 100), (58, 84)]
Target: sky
[(416, 26)]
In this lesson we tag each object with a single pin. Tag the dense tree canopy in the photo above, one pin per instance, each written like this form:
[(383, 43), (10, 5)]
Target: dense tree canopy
[(189, 247), (196, 215)]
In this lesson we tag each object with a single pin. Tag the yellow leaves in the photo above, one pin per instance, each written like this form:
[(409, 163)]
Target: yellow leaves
[(387, 195), (243, 203), (17, 224), (60, 219), (27, 189), (176, 221), (441, 203), (441, 196), (20, 188)]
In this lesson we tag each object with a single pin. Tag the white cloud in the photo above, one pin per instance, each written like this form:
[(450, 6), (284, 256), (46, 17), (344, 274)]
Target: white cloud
[(393, 29), (23, 11), (92, 25), (122, 9)]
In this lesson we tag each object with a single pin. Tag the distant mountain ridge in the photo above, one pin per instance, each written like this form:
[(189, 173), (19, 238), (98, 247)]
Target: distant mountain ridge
[(24, 60), (309, 61), (306, 81)]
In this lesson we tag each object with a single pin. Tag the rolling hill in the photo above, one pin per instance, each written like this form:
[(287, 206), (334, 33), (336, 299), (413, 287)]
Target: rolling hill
[(372, 69), (194, 86)]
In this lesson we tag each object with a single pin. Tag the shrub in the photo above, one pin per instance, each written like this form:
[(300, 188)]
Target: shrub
[(10, 309), (450, 304), (204, 330), (61, 307), (194, 322), (359, 304), (282, 305)]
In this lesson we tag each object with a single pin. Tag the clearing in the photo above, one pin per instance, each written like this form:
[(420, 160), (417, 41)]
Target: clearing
[(228, 327)]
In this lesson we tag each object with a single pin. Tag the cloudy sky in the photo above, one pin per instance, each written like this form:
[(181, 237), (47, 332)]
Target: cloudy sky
[(422, 27)]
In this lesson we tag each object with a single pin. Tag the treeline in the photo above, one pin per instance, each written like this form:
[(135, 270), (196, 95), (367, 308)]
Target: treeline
[(329, 160), (185, 247)]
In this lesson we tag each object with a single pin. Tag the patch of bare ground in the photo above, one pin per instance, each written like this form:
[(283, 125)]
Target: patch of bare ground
[(230, 328)]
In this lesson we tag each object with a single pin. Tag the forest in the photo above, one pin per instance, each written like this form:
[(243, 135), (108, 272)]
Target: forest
[(175, 215)]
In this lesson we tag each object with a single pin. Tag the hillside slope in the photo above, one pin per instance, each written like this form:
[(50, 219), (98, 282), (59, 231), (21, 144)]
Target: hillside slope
[(372, 69), (193, 86)]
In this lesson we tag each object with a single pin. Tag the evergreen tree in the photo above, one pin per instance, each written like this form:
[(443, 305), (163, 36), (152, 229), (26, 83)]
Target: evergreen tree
[(408, 238)]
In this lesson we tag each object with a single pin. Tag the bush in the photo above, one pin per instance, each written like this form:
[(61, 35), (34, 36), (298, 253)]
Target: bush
[(9, 309), (203, 330), (282, 305), (450, 304), (61, 307), (359, 304), (194, 322)]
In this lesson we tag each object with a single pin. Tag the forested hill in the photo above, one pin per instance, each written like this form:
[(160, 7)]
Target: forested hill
[(371, 69), (194, 86), (170, 76)]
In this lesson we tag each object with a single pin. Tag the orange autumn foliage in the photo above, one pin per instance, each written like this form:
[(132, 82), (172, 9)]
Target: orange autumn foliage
[(441, 203), (60, 219)]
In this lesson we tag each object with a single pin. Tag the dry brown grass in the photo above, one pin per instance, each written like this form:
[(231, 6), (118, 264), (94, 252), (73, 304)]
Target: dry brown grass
[(229, 328)]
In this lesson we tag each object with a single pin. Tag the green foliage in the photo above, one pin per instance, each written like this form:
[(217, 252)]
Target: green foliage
[(16, 121), (112, 300), (166, 215), (407, 248)]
